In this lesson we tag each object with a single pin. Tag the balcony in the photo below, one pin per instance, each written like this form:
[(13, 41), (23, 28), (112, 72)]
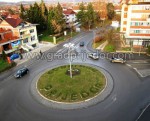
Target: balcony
[(138, 19), (140, 11), (139, 35), (140, 27), (25, 36)]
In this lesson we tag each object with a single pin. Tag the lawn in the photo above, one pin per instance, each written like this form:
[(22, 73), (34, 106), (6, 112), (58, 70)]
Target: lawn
[(4, 65), (49, 38), (109, 48), (97, 44), (57, 85)]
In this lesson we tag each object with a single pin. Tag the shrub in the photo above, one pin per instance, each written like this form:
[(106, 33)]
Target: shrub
[(98, 39), (148, 51)]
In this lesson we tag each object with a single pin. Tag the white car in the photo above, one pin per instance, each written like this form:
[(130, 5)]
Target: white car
[(94, 56), (118, 60)]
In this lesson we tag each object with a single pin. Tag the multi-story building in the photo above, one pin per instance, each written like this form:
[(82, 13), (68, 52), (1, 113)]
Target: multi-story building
[(8, 42), (24, 30), (70, 16), (135, 22)]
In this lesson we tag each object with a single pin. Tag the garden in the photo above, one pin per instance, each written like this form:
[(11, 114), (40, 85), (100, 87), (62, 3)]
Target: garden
[(57, 85)]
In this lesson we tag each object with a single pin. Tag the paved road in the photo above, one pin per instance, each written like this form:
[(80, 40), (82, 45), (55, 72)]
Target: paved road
[(129, 95)]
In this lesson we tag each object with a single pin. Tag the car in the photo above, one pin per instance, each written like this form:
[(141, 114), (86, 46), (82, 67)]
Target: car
[(14, 56), (118, 60), (81, 43), (21, 72), (94, 56)]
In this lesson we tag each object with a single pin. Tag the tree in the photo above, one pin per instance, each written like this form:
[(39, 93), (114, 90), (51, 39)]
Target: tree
[(11, 11), (49, 21), (57, 27), (22, 12), (56, 22), (4, 56), (90, 15), (148, 49), (110, 11), (81, 14)]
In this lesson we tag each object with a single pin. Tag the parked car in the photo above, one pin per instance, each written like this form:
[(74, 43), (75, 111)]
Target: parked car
[(21, 72), (14, 56), (118, 60), (94, 56), (82, 43)]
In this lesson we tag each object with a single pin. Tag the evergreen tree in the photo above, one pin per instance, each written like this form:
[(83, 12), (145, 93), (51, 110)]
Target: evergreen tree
[(110, 11), (49, 21), (22, 12), (4, 56), (90, 15), (81, 15)]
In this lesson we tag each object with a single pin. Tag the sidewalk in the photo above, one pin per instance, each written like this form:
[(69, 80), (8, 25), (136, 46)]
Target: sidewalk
[(44, 46)]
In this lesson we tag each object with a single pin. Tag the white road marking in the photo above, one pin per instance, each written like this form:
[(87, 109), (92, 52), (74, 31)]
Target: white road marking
[(114, 98)]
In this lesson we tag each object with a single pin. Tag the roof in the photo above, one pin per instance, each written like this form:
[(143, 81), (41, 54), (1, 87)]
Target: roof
[(126, 1), (68, 12), (14, 22)]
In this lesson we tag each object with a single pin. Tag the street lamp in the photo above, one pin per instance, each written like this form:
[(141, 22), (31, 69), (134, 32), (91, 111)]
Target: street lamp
[(70, 46), (140, 47)]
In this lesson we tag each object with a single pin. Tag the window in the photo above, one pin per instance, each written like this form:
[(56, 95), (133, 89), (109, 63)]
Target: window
[(25, 40), (32, 38), (137, 31), (136, 23), (21, 33), (0, 37), (32, 30)]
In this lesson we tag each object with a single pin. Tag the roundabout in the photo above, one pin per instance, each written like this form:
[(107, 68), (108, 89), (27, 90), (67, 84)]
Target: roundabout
[(54, 87)]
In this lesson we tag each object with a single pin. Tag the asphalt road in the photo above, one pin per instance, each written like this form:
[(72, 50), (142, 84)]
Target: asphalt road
[(126, 101)]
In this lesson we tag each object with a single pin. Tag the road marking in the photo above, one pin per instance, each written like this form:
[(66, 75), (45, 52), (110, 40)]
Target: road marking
[(142, 112), (74, 42), (113, 98), (138, 72), (129, 65)]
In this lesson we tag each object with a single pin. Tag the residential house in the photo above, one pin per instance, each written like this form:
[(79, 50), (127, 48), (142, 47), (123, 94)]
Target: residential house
[(70, 17), (8, 42), (24, 30), (135, 22)]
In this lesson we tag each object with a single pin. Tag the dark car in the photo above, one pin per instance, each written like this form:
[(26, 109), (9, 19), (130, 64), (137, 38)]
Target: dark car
[(21, 72), (81, 43), (117, 60), (94, 56), (14, 56)]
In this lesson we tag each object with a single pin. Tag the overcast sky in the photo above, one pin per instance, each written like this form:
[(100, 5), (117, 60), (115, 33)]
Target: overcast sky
[(39, 0)]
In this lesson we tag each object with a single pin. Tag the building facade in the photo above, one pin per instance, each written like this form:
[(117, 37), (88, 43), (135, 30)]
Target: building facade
[(135, 22), (25, 31), (8, 42)]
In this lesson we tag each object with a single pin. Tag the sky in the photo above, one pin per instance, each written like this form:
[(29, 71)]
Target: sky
[(40, 0)]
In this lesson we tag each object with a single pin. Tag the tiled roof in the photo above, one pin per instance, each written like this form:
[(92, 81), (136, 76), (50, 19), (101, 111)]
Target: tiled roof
[(68, 12), (14, 22), (8, 35), (126, 1)]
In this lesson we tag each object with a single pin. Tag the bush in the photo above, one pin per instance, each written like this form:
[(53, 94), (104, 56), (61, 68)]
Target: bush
[(98, 39), (8, 67), (148, 51)]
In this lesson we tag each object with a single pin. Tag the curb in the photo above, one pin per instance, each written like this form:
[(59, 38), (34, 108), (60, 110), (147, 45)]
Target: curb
[(67, 106)]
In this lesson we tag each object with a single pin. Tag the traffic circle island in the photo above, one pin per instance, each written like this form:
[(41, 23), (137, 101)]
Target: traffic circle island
[(55, 88)]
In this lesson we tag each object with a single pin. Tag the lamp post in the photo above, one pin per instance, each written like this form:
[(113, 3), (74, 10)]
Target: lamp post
[(70, 46), (140, 48)]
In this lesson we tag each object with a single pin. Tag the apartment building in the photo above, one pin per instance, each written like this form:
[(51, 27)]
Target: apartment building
[(24, 30), (135, 22)]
